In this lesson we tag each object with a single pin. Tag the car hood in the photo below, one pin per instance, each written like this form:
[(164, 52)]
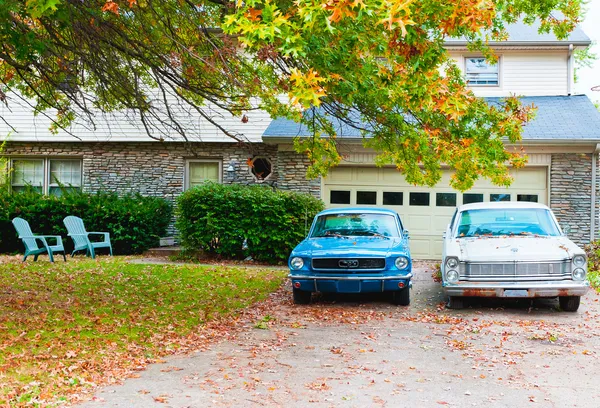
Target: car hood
[(354, 246), (526, 248)]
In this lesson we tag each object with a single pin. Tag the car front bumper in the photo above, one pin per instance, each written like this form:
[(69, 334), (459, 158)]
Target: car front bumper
[(351, 284), (517, 289)]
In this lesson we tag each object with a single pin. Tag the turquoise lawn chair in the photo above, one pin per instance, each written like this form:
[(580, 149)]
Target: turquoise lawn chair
[(81, 240), (30, 241)]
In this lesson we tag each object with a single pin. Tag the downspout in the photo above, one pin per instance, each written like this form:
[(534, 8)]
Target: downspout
[(593, 206), (570, 71)]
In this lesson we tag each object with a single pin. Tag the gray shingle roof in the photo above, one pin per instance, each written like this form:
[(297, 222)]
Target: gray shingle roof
[(558, 118), (521, 33)]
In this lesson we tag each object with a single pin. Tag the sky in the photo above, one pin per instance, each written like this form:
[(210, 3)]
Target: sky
[(589, 77)]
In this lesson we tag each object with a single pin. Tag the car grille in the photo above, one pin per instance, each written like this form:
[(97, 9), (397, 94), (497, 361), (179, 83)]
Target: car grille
[(516, 271), (348, 264)]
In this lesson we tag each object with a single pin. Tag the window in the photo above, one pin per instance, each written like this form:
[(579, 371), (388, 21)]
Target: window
[(499, 197), (64, 175), (339, 197), (480, 72), (392, 198), (419, 199), (445, 199), (261, 168), (532, 198), (366, 197), (51, 176), (469, 198), (201, 171), (28, 172)]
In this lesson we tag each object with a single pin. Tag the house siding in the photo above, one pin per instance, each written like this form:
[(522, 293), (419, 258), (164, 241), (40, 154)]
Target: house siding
[(525, 73)]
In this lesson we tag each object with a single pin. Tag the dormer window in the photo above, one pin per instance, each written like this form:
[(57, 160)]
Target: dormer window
[(480, 72)]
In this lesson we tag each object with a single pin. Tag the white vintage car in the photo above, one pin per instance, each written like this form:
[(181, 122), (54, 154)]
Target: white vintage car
[(511, 250)]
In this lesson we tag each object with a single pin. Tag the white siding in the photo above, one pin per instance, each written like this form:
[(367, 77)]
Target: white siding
[(125, 126), (526, 73)]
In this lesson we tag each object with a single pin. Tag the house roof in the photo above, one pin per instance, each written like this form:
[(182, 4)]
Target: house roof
[(520, 33), (558, 118)]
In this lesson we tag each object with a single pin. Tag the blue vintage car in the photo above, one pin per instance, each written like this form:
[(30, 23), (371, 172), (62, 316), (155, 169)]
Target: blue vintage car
[(353, 250)]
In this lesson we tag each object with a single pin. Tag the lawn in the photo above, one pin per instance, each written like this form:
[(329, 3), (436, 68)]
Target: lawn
[(66, 327)]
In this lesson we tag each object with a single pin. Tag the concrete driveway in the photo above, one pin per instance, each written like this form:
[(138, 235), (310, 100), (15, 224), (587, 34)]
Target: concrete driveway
[(359, 352)]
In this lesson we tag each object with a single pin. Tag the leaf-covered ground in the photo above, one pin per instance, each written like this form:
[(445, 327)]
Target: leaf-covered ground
[(361, 351), (66, 327)]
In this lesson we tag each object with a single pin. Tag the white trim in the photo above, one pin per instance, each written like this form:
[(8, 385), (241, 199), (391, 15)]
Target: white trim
[(186, 172)]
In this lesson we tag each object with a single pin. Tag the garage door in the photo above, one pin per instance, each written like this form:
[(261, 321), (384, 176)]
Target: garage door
[(424, 211)]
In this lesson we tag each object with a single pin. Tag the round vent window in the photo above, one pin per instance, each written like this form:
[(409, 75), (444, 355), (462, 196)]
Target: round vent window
[(261, 168)]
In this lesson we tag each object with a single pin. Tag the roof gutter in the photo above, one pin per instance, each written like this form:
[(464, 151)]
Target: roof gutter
[(523, 43), (570, 71)]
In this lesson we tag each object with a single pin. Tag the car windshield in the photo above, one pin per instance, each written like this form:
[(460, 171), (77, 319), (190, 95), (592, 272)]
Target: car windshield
[(354, 224), (512, 221)]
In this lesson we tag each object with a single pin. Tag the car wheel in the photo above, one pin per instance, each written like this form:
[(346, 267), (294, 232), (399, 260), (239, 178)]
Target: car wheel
[(302, 297), (401, 297), (569, 303), (456, 302)]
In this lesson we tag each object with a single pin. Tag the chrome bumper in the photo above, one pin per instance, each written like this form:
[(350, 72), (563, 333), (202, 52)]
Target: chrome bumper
[(516, 289), (345, 277)]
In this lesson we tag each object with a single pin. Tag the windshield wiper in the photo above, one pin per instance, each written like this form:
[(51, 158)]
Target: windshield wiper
[(333, 234), (378, 235)]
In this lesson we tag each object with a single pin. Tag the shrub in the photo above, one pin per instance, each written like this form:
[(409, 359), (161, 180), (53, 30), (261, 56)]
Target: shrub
[(593, 253), (135, 223), (235, 221)]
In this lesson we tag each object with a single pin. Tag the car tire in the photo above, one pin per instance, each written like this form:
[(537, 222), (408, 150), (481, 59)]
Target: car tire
[(456, 302), (569, 303), (302, 297), (401, 297)]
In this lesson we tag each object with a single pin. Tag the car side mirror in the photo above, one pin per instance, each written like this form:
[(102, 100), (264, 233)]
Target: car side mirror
[(405, 234), (443, 235), (566, 230)]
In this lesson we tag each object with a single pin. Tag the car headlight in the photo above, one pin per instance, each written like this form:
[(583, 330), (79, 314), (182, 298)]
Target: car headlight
[(579, 260), (297, 262), (401, 262), (579, 274), (451, 263), (452, 276)]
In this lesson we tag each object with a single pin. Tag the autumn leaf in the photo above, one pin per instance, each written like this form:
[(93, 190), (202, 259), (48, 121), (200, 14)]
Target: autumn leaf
[(111, 7)]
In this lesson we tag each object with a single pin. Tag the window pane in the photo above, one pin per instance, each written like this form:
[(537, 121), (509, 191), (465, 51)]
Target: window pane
[(366, 197), (18, 189), (58, 191), (421, 199), (65, 172), (445, 199), (28, 172), (499, 197), (339, 197), (472, 198), (481, 72), (201, 172), (533, 198), (392, 198)]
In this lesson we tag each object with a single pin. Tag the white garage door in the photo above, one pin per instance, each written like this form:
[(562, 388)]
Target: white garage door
[(424, 211)]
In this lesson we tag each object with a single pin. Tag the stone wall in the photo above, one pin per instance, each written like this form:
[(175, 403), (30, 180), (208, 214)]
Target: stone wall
[(571, 193), (153, 169), (291, 170), (157, 169)]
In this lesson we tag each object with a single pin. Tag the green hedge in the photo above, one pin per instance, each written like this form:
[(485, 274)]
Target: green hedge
[(235, 221), (135, 223)]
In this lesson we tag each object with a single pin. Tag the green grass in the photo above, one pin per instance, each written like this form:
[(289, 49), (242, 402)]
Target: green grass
[(67, 325)]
